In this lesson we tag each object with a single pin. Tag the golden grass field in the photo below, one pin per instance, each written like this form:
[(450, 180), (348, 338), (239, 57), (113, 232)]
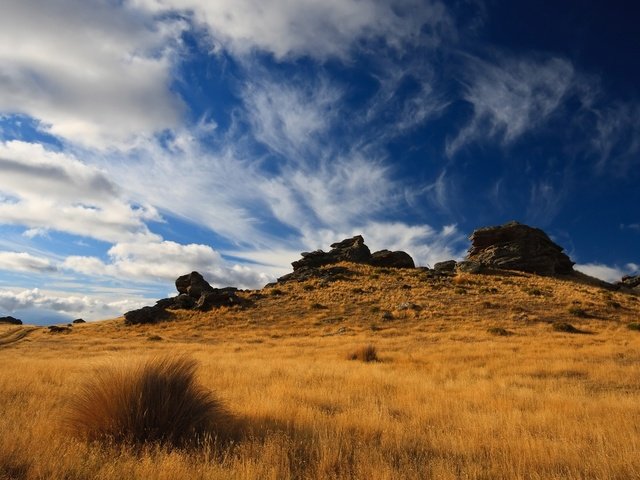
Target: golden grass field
[(447, 400)]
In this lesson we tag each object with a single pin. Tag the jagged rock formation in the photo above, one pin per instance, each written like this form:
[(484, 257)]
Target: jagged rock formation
[(195, 293), (351, 250), (446, 266), (10, 320), (514, 246), (630, 281)]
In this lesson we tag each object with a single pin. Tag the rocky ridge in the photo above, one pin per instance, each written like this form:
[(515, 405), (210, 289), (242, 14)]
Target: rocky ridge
[(194, 293)]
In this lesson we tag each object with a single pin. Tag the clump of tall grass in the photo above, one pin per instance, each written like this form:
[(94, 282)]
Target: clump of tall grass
[(157, 401), (367, 353)]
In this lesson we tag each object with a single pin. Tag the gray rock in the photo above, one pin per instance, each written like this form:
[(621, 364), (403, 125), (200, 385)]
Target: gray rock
[(193, 285), (469, 266), (219, 297), (145, 315), (446, 266), (386, 258), (514, 246)]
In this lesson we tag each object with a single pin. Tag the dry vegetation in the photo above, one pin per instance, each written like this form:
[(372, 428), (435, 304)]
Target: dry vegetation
[(450, 397)]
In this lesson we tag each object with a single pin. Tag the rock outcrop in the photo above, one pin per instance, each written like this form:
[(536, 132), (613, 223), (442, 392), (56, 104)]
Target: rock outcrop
[(630, 281), (195, 293), (351, 250), (514, 246), (10, 320)]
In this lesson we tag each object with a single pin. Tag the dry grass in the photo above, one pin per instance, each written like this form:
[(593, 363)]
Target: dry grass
[(450, 400), (157, 401)]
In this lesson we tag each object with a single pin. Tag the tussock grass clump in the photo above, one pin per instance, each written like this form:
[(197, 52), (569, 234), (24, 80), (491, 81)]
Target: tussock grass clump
[(367, 353), (499, 331), (634, 326), (157, 401)]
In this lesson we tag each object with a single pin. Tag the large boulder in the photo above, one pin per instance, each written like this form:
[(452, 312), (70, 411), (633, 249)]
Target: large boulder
[(145, 315), (193, 284), (389, 259), (219, 297), (348, 250), (514, 246), (10, 320)]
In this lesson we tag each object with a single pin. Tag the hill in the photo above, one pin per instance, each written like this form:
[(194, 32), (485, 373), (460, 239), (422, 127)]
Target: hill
[(478, 377)]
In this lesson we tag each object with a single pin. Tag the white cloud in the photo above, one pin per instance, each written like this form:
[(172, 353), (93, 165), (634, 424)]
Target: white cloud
[(617, 139), (91, 307), (511, 96), (316, 28), (91, 71), (25, 262), (55, 191), (165, 261), (606, 272)]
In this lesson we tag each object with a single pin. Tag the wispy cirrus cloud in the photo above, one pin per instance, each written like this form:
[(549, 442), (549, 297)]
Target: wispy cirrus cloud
[(511, 96)]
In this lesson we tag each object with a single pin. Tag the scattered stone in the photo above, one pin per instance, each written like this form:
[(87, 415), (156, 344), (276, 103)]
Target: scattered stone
[(514, 246), (79, 320), (389, 259), (565, 328), (193, 285), (57, 329), (10, 320)]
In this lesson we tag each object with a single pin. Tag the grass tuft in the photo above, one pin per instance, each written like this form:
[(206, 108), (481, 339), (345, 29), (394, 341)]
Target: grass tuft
[(367, 353), (155, 402)]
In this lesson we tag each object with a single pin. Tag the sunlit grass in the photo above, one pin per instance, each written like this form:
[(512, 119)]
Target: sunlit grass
[(449, 400)]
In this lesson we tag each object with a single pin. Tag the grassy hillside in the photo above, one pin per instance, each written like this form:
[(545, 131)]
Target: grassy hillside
[(477, 378)]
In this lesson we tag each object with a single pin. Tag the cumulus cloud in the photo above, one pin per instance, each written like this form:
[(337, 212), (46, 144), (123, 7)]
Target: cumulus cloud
[(91, 307), (46, 190), (315, 28), (93, 72), (164, 261), (25, 262), (511, 96)]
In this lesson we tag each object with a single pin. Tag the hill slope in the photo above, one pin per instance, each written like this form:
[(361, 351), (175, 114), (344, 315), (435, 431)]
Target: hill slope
[(473, 381)]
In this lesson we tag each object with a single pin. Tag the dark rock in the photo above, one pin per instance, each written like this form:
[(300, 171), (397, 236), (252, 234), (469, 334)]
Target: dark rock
[(469, 266), (165, 303), (183, 302), (57, 329), (348, 250), (514, 246), (630, 281), (219, 297), (193, 285), (386, 258), (330, 274), (446, 266), (10, 320), (145, 315), (79, 320)]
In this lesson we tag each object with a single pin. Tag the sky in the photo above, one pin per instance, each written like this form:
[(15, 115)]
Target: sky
[(144, 139)]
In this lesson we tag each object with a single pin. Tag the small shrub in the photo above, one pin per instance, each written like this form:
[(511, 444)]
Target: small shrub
[(634, 326), (318, 306), (157, 401), (154, 338), (276, 292), (367, 353)]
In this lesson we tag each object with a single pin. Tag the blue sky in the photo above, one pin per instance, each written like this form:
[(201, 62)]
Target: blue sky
[(143, 139)]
